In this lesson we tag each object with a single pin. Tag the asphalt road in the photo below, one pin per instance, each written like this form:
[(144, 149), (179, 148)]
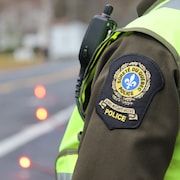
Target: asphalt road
[(21, 134)]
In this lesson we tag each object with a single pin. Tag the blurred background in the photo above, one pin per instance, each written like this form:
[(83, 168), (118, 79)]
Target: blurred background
[(39, 45), (38, 27)]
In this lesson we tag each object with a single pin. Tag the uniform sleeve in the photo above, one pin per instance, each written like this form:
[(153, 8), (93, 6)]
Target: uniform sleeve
[(132, 117)]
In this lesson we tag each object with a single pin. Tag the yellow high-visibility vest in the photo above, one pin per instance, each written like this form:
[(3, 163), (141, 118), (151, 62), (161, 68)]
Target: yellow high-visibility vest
[(67, 156)]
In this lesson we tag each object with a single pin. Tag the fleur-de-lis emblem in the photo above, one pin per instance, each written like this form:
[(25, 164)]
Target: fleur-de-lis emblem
[(130, 82)]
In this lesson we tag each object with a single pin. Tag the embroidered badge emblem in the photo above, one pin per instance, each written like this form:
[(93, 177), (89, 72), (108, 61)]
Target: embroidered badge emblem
[(131, 81)]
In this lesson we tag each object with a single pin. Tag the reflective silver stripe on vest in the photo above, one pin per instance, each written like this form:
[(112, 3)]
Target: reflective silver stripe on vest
[(64, 176), (175, 4)]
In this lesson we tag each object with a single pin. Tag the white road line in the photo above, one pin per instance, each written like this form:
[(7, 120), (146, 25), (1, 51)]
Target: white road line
[(34, 131)]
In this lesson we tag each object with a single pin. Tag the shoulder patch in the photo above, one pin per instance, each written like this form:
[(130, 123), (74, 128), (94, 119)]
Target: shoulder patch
[(132, 82)]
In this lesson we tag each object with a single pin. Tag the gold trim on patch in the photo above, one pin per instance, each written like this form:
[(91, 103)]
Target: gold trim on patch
[(131, 81), (116, 110)]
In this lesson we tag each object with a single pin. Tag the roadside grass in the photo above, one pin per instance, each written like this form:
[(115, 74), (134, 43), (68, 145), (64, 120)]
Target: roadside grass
[(8, 62)]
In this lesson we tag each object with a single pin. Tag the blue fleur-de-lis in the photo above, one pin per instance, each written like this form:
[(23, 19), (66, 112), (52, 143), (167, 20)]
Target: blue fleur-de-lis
[(130, 82)]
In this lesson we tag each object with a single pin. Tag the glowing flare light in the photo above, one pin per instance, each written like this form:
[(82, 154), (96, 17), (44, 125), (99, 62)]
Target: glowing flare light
[(41, 113), (40, 91), (24, 162)]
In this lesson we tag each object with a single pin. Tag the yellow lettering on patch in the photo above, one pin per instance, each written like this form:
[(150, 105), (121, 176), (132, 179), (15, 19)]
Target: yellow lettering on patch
[(115, 115)]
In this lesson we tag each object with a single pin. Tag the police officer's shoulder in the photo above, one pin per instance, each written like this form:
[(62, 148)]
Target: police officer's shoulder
[(132, 82)]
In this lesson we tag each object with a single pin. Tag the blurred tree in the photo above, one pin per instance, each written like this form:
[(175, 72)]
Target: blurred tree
[(124, 10), (60, 8)]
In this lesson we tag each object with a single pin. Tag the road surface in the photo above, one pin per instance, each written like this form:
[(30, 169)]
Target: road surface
[(21, 134)]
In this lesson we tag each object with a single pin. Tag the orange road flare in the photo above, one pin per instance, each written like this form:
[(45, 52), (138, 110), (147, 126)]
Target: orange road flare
[(40, 91), (24, 162), (41, 113)]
